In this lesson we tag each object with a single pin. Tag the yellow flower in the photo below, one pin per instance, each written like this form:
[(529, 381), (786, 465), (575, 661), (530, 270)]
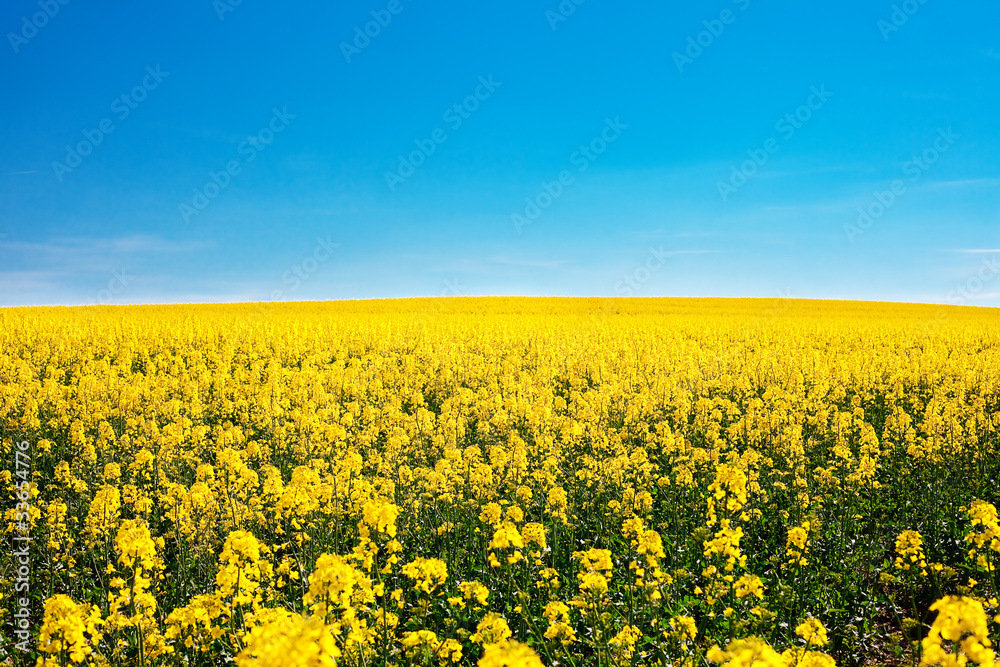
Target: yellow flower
[(797, 544), (104, 513), (509, 654), (449, 651), (650, 545), (473, 590), (290, 639), (804, 658), (556, 504), (514, 514), (534, 533), (134, 542), (749, 584), (381, 516), (750, 652), (563, 632), (910, 552), (493, 629), (556, 611), (112, 473), (419, 638), (961, 625), (194, 622), (506, 535), (241, 570), (491, 514), (683, 628), (623, 643), (727, 543), (593, 582), (594, 559), (985, 533), (70, 627), (427, 573), (812, 631), (632, 527), (729, 488), (336, 586)]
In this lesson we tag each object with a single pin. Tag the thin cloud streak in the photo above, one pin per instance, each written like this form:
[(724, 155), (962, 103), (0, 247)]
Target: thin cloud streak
[(124, 244)]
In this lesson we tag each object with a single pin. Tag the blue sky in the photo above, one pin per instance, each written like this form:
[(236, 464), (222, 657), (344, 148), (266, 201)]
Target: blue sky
[(718, 148)]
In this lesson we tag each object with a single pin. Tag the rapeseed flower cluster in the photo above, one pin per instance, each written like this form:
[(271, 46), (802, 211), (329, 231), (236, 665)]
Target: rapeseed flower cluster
[(504, 482)]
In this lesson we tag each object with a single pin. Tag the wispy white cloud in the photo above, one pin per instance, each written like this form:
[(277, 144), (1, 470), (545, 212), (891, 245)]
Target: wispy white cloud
[(498, 265), (671, 253), (83, 246), (682, 235), (660, 234), (925, 95), (532, 263), (965, 183), (16, 282), (976, 250)]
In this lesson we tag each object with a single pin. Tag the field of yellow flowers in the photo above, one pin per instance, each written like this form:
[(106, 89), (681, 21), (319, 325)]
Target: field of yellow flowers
[(504, 481)]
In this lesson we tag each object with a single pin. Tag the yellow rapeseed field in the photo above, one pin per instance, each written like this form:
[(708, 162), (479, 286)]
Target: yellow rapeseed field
[(504, 481)]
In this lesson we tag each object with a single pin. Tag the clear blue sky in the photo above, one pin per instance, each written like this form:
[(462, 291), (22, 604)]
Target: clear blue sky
[(312, 116)]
